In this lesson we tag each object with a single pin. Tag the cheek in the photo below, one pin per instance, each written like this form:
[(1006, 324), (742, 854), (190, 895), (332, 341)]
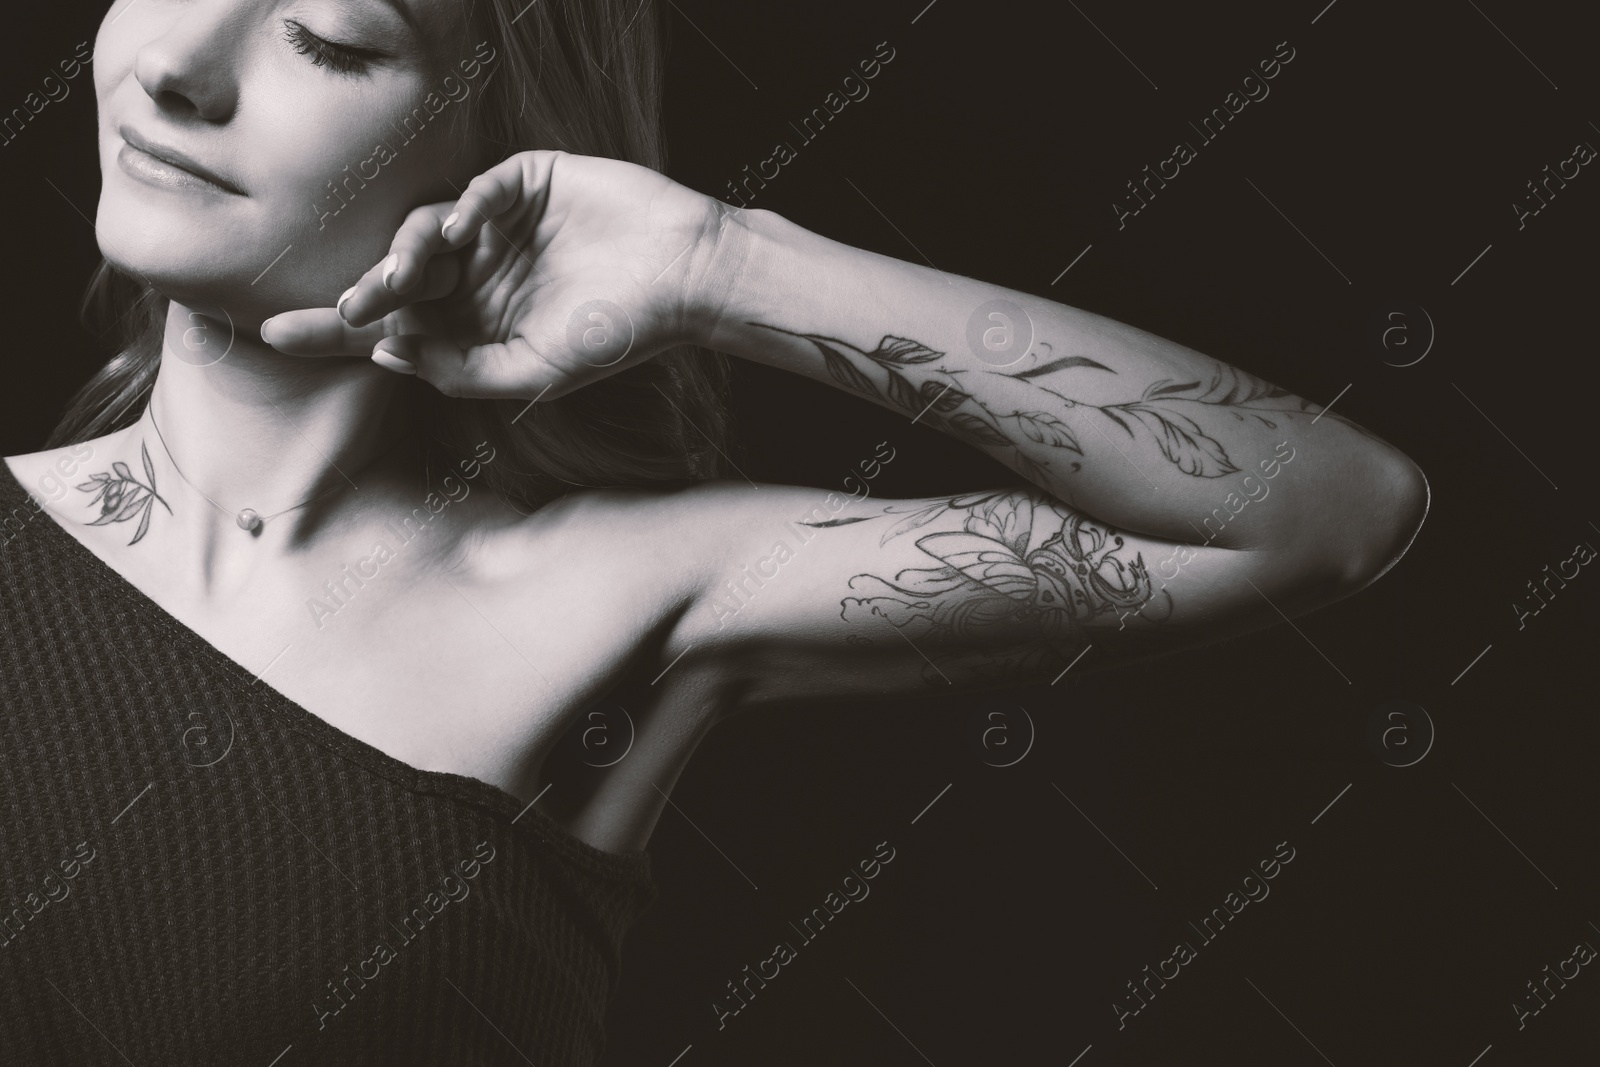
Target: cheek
[(332, 168), (342, 189), (114, 53)]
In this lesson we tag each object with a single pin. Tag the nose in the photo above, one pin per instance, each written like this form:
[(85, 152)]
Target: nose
[(188, 68)]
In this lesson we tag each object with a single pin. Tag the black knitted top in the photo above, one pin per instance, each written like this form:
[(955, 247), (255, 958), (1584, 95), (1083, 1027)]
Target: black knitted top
[(194, 869)]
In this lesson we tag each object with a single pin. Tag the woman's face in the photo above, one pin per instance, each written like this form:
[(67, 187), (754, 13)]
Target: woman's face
[(319, 124)]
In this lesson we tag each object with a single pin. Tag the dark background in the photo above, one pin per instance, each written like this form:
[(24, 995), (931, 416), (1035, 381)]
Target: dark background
[(1420, 903)]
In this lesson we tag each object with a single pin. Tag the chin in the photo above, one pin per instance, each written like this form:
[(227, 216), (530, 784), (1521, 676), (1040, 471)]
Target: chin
[(211, 255), (205, 247)]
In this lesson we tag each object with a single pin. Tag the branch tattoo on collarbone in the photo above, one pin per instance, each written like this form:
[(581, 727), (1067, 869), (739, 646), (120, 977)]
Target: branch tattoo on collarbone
[(122, 497), (1023, 561)]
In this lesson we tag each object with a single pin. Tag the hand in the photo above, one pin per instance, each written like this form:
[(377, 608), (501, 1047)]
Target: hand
[(551, 271)]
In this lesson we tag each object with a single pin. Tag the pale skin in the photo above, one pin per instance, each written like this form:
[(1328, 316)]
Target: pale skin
[(476, 650)]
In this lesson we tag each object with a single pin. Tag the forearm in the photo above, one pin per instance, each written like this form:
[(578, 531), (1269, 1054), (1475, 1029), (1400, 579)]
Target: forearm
[(1138, 431)]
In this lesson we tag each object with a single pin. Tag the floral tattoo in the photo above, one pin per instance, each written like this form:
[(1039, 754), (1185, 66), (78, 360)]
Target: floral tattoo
[(122, 497), (1019, 587), (1159, 414)]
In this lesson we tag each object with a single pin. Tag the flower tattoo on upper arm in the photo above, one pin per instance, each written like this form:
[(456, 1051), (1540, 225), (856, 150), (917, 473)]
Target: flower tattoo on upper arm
[(1015, 591)]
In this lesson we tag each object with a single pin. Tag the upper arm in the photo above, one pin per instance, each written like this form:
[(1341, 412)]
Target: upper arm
[(798, 593)]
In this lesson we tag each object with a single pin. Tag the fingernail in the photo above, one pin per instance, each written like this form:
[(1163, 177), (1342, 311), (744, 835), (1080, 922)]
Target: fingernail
[(389, 361), (391, 267), (348, 293), (449, 222), (264, 326)]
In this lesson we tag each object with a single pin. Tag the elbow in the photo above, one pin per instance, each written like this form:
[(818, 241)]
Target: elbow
[(1397, 508)]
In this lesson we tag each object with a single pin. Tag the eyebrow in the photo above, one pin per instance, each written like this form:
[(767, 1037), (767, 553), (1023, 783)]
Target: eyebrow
[(404, 11)]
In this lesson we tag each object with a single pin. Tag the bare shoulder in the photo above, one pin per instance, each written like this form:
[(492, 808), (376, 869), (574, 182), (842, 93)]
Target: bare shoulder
[(50, 472), (601, 577), (50, 476), (633, 536), (663, 545)]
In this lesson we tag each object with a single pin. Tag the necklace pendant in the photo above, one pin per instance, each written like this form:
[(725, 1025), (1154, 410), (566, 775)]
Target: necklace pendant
[(249, 521)]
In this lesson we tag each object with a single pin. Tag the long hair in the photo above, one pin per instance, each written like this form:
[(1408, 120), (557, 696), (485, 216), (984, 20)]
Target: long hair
[(581, 75)]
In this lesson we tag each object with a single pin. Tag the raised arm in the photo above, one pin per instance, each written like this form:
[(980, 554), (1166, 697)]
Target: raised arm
[(1169, 500), (1164, 499), (1139, 432)]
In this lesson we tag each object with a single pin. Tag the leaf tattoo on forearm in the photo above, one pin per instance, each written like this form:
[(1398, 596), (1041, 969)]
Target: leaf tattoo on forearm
[(1181, 440), (934, 401), (1157, 414), (1064, 363), (1179, 437), (122, 497)]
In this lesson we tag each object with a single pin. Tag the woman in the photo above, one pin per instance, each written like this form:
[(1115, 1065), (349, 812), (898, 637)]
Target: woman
[(314, 579)]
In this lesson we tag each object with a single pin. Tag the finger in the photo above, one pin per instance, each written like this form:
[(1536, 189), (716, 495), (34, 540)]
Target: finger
[(324, 332), (319, 332), (496, 191), (415, 244), (369, 300), (513, 370)]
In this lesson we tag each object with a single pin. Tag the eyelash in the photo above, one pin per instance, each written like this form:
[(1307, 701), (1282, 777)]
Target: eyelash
[(337, 57)]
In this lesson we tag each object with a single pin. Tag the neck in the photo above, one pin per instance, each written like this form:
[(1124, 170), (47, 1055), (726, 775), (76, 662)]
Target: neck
[(248, 427)]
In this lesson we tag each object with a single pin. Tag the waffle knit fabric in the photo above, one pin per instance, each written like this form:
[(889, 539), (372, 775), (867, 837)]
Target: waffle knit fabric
[(194, 869)]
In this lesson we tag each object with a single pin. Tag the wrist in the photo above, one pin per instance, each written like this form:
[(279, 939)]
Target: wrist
[(742, 246)]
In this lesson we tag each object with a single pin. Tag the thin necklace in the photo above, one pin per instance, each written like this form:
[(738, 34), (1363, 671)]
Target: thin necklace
[(249, 519)]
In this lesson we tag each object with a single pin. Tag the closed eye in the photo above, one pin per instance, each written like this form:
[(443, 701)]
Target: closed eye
[(343, 58)]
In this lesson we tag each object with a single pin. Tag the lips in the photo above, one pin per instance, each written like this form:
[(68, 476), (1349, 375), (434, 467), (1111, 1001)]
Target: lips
[(173, 157)]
